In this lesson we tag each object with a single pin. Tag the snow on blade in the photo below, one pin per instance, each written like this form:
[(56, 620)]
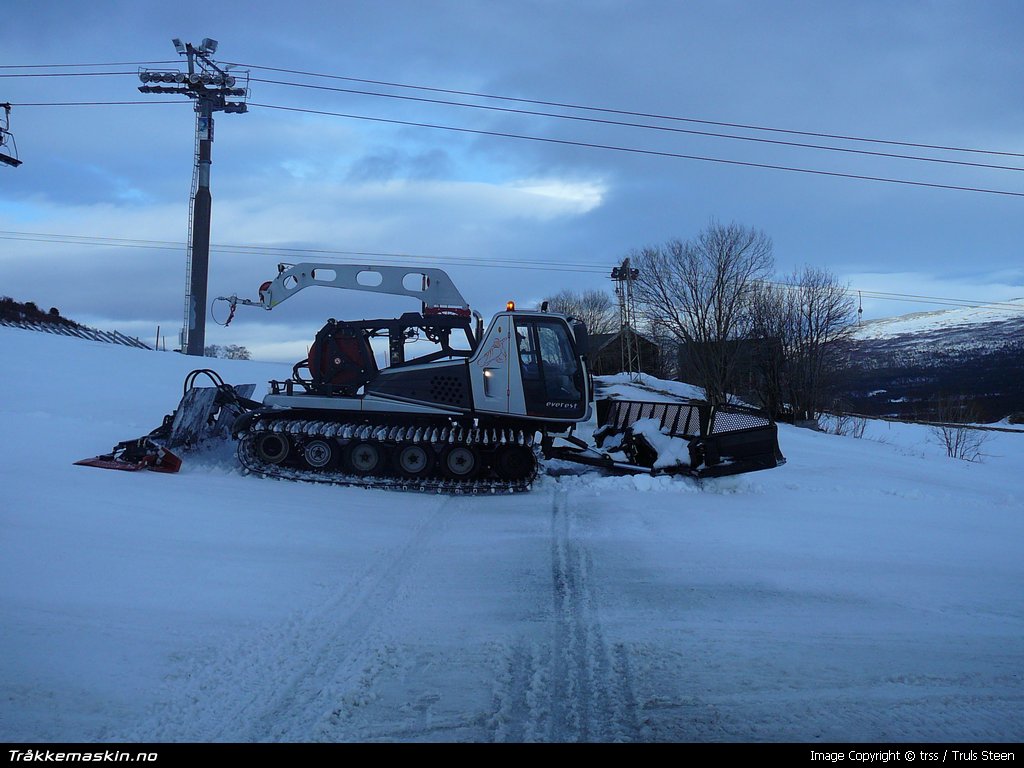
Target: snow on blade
[(672, 451)]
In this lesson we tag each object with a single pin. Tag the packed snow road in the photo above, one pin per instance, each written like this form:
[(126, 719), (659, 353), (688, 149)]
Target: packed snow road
[(432, 638), (868, 590)]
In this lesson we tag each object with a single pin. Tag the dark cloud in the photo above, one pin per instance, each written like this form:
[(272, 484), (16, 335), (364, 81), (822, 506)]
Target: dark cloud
[(388, 164), (944, 73)]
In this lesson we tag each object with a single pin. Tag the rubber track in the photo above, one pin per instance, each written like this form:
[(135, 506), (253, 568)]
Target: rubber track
[(254, 465)]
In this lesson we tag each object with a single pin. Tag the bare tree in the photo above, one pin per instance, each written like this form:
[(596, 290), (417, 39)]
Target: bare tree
[(229, 352), (595, 308), (668, 351), (952, 432), (236, 352), (827, 315), (839, 421), (799, 324), (774, 314), (700, 292)]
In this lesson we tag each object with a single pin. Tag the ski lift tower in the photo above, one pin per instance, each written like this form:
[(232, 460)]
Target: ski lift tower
[(210, 86), (623, 276)]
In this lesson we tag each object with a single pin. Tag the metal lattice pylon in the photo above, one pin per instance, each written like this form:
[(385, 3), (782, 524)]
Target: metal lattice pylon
[(624, 275)]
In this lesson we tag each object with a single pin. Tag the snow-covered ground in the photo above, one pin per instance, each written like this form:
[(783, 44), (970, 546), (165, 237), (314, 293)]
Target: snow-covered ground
[(870, 589)]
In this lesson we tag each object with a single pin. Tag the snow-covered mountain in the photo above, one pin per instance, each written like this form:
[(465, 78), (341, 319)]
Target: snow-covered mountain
[(901, 366), (960, 319), (867, 591)]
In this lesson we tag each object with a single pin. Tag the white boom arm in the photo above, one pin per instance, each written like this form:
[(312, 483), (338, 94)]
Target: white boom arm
[(431, 286)]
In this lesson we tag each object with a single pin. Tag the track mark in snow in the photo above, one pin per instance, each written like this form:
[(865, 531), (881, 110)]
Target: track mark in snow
[(591, 695), (290, 682), (578, 688), (522, 705), (350, 657)]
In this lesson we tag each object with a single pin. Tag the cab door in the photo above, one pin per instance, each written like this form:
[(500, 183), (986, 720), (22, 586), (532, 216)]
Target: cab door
[(553, 379)]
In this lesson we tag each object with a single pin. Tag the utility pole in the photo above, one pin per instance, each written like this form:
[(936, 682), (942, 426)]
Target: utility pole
[(624, 275), (5, 136), (209, 86)]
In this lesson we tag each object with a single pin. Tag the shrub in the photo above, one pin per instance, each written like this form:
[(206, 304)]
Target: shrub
[(953, 433)]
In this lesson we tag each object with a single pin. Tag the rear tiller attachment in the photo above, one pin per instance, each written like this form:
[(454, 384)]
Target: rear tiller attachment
[(204, 414), (133, 455)]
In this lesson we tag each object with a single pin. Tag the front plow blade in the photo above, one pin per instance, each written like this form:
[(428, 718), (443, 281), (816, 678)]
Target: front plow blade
[(720, 441)]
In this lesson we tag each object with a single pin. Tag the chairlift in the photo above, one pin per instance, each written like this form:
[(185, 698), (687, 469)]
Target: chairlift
[(5, 134)]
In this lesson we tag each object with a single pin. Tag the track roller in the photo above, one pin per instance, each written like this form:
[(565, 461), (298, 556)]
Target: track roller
[(414, 460), (272, 447), (364, 458), (320, 454), (460, 462)]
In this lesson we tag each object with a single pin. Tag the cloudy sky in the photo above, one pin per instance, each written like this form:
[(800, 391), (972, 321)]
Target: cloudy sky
[(94, 220)]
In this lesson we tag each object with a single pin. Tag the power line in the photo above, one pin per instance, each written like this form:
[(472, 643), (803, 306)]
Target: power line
[(632, 113), (67, 74), (95, 103), (623, 123), (277, 252), (102, 64), (568, 142), (520, 100), (792, 169), (509, 263), (639, 151), (473, 261)]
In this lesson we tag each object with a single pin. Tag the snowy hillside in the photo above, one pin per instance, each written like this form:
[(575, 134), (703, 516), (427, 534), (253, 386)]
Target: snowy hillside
[(964, 318), (904, 366), (868, 590)]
